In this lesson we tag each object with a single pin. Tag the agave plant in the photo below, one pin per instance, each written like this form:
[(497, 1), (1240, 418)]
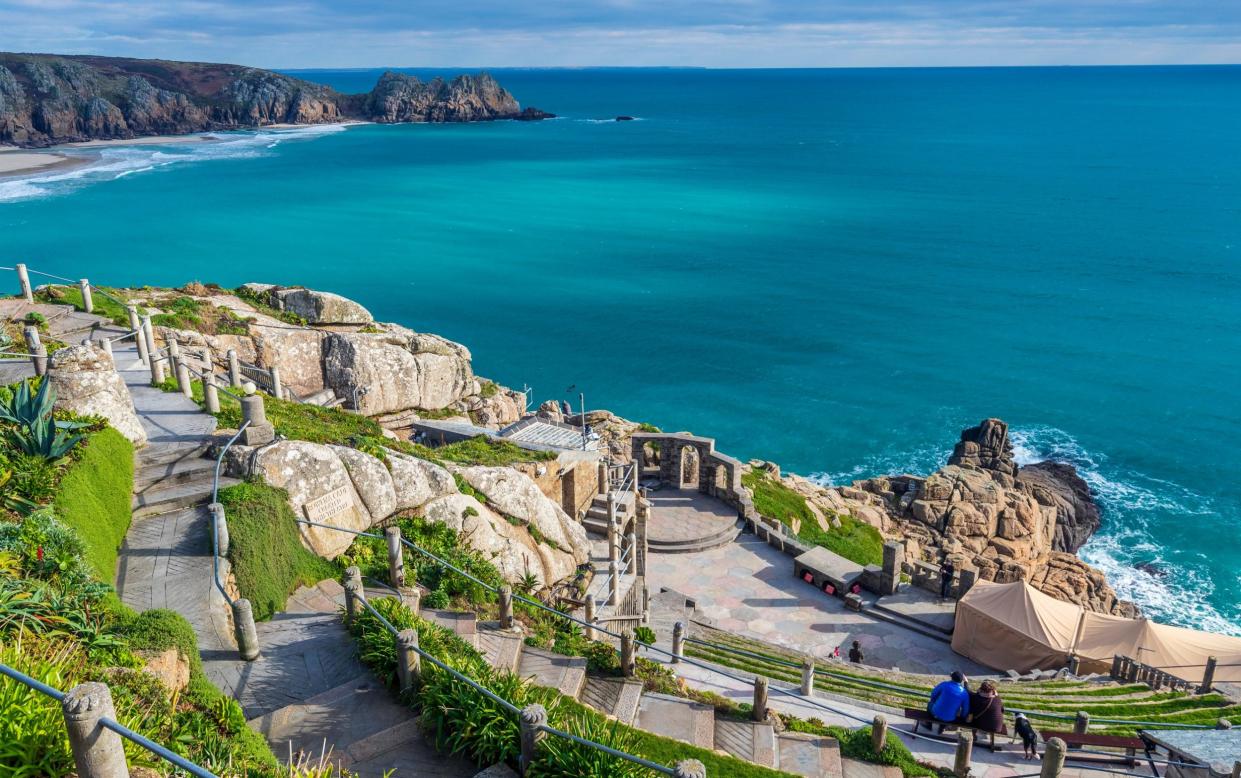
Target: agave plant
[(42, 439)]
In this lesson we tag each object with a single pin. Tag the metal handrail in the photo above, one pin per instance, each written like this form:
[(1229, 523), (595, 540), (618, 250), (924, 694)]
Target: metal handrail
[(215, 501), (115, 726), (126, 336)]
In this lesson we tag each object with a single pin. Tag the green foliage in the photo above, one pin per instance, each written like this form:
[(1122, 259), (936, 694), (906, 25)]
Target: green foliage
[(33, 429), (561, 758), (645, 427), (854, 540), (94, 498), (103, 305), (46, 549), (34, 477), (482, 450), (857, 744), (267, 555), (261, 303), (488, 389), (644, 634), (190, 313)]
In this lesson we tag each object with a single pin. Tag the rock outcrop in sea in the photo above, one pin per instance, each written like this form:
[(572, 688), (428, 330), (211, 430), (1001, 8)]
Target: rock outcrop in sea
[(49, 99)]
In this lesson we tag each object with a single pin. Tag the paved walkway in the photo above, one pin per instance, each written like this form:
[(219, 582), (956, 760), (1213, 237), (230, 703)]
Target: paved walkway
[(684, 515), (747, 588)]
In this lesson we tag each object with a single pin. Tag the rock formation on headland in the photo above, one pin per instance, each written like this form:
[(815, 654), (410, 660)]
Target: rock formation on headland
[(48, 99), (984, 512)]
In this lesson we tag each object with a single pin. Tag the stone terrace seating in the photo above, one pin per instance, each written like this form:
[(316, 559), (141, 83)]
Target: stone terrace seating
[(825, 569)]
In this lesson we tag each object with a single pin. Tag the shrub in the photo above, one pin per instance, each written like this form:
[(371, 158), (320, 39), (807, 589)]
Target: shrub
[(34, 477), (854, 540), (94, 498), (268, 558)]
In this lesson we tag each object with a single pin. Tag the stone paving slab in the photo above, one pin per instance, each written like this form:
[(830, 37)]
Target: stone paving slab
[(923, 607), (687, 515)]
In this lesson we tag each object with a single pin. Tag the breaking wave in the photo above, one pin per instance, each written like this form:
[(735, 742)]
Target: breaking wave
[(109, 163)]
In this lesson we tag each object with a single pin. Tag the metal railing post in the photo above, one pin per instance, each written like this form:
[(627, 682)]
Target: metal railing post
[(396, 559), (759, 710), (88, 304), (506, 607), (98, 752), (245, 631), (965, 752), (678, 642), (34, 345), (23, 279), (408, 662), (1053, 759), (234, 368), (532, 720)]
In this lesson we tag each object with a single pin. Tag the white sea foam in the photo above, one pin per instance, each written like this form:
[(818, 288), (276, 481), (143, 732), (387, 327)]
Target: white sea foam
[(111, 163)]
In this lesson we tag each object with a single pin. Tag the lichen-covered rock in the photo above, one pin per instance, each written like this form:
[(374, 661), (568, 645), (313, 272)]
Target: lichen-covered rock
[(371, 480), (394, 374), (308, 471), (86, 382), (514, 494), (298, 352), (498, 409), (172, 669), (320, 307), (418, 481)]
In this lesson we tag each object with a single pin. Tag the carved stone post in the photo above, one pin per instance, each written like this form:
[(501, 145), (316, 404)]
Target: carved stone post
[(1081, 723), (603, 485), (965, 751), (155, 358), (98, 752), (678, 642), (879, 733), (506, 607), (408, 662), (277, 387), (244, 630), (88, 303), (260, 432), (631, 542), (629, 665), (807, 677), (34, 345), (221, 528), (613, 583), (23, 280), (353, 595), (234, 367), (211, 392), (533, 719), (135, 325), (396, 559), (759, 711), (1053, 759), (589, 618)]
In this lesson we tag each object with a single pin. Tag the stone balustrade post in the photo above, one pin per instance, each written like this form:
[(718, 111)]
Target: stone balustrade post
[(589, 618), (603, 485), (34, 345), (532, 720), (678, 642), (1081, 723), (631, 545), (106, 345), (277, 386), (1053, 759), (98, 752), (807, 677), (1208, 676), (260, 432), (965, 752), (155, 359), (221, 528), (879, 733), (408, 661), (629, 663), (234, 367), (506, 607), (23, 280), (244, 630), (690, 768), (759, 710), (353, 595), (88, 303), (614, 583), (184, 380), (396, 557), (211, 392)]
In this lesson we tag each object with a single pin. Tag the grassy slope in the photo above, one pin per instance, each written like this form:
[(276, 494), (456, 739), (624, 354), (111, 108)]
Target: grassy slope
[(268, 558), (853, 539), (94, 498)]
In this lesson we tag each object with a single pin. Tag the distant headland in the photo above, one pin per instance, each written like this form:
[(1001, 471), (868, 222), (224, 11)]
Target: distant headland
[(48, 99)]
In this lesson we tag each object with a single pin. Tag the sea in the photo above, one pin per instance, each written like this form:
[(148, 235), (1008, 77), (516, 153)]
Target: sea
[(837, 270)]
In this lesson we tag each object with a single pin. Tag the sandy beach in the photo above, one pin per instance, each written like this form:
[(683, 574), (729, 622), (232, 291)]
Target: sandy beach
[(18, 162)]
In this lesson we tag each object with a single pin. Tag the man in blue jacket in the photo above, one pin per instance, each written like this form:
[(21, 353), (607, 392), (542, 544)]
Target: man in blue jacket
[(950, 700)]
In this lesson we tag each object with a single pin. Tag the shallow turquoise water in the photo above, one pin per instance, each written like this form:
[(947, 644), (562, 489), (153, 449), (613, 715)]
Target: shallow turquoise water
[(837, 270)]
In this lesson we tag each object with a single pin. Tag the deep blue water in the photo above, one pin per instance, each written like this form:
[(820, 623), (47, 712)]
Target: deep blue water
[(834, 269)]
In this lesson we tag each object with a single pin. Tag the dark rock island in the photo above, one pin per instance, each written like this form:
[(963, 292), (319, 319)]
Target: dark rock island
[(49, 99)]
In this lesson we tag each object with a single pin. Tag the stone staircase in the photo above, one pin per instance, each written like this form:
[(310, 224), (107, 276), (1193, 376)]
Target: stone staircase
[(173, 478), (596, 518)]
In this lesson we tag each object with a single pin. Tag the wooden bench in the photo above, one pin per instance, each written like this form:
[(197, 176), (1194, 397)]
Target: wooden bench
[(921, 717), (1076, 740)]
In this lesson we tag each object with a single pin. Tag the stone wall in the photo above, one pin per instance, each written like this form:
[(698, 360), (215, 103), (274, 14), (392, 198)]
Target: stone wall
[(708, 470)]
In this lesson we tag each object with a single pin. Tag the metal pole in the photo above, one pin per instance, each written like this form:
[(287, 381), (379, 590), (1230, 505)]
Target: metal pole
[(582, 398)]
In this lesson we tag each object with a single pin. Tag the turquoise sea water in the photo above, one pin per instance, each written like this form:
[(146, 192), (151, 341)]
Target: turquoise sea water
[(837, 270)]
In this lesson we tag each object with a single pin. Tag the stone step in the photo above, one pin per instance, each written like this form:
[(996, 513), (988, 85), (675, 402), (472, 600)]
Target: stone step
[(721, 538), (852, 768), (624, 502), (166, 499), (176, 471), (808, 755), (685, 720), (170, 452), (752, 741), (72, 327), (565, 674), (897, 619), (401, 749), (615, 697), (502, 650), (463, 624)]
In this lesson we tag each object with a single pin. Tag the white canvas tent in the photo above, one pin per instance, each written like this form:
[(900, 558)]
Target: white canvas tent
[(1015, 626)]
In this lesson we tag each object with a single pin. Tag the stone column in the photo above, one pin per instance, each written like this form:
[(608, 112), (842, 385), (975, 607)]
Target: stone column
[(408, 662), (879, 733), (506, 607), (629, 664), (23, 280), (893, 561), (234, 368), (98, 752), (589, 618), (807, 677), (221, 528), (155, 359), (396, 559), (35, 346), (631, 564), (532, 720), (965, 751), (88, 304), (277, 387), (135, 325), (690, 768), (1053, 759), (184, 380), (244, 630), (613, 536), (613, 583), (1081, 723), (603, 484), (759, 711), (1208, 677), (106, 345), (353, 595), (678, 642), (211, 393)]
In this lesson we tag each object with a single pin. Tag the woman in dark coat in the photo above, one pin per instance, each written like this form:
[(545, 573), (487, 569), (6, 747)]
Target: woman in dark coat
[(986, 709)]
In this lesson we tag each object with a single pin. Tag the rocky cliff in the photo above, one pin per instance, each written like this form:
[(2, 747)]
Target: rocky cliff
[(984, 512), (47, 99)]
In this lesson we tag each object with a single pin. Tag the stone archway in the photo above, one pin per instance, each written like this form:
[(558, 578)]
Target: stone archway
[(690, 461)]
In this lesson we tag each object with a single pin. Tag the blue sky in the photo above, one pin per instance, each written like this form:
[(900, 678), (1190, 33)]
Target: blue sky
[(713, 33)]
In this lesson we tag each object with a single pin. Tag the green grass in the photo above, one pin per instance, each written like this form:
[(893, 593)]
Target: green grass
[(189, 313), (854, 540), (103, 305), (266, 551), (483, 450), (94, 497)]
